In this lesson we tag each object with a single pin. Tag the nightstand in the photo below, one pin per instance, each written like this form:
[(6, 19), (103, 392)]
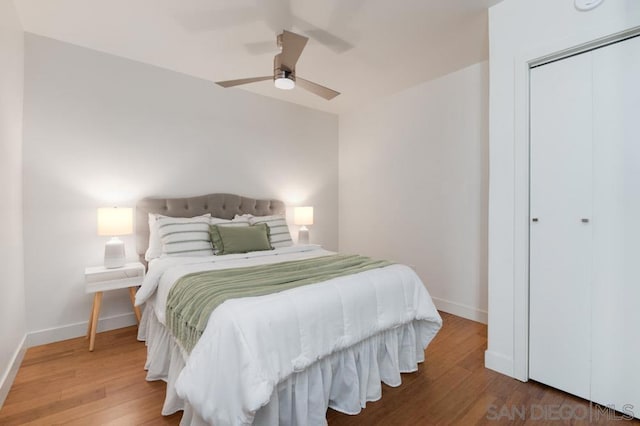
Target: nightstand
[(99, 279)]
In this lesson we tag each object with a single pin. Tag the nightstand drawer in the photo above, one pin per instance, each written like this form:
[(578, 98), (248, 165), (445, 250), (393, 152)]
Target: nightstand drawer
[(92, 287), (99, 278)]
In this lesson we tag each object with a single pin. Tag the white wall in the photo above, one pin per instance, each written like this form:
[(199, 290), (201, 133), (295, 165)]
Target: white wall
[(102, 130), (12, 304), (520, 31), (414, 182)]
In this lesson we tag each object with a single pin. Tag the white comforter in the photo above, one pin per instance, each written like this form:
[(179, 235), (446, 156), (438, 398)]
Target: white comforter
[(252, 344)]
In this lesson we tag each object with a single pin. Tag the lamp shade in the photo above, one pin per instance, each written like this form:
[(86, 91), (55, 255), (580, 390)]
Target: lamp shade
[(303, 216), (113, 221)]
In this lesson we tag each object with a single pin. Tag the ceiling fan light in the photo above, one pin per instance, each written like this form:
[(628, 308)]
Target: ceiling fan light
[(284, 83)]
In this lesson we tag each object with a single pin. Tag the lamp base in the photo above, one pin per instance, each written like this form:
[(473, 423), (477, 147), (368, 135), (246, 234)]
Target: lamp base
[(114, 253), (303, 235)]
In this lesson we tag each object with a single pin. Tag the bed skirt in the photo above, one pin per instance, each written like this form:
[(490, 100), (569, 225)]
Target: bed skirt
[(345, 380)]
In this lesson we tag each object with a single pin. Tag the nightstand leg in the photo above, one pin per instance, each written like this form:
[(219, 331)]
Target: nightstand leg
[(93, 307), (132, 296), (97, 300)]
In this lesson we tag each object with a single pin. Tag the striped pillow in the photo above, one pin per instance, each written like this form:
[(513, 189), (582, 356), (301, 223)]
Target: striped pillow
[(155, 244), (185, 238), (279, 230)]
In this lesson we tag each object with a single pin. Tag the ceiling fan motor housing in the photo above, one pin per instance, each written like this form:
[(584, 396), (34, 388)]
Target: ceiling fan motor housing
[(281, 71)]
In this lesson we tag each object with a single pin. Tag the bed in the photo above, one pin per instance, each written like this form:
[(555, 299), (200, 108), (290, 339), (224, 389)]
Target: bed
[(280, 358)]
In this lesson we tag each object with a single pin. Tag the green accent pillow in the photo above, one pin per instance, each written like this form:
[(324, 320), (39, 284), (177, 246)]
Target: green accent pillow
[(240, 239)]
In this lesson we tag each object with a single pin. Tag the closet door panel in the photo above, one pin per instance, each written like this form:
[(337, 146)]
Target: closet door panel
[(560, 243), (616, 226)]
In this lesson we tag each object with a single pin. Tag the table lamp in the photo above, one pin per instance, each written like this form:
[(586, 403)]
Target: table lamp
[(303, 216), (113, 222)]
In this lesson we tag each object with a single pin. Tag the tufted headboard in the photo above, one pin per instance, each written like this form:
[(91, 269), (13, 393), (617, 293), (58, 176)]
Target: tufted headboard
[(225, 206)]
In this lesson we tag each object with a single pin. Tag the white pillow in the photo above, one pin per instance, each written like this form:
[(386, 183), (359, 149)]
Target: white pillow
[(279, 235), (155, 244), (236, 221), (245, 216)]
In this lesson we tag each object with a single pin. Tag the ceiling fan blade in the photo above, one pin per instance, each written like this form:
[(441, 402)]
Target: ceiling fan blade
[(317, 89), (231, 83), (276, 14), (336, 44), (261, 47), (292, 46), (324, 37)]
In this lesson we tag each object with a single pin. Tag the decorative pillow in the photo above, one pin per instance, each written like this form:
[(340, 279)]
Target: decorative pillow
[(155, 244), (278, 228), (237, 221), (185, 238), (240, 239)]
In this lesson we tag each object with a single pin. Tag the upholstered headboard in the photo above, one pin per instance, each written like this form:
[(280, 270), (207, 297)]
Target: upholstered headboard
[(225, 206)]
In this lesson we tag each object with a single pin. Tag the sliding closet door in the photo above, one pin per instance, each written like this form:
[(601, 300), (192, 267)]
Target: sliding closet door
[(616, 226), (560, 228)]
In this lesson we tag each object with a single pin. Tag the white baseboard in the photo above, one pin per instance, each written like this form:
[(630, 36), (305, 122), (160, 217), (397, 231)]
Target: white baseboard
[(12, 370), (498, 362), (70, 331), (458, 309)]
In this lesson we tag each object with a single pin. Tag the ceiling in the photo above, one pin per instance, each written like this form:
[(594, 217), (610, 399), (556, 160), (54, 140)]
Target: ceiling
[(363, 48)]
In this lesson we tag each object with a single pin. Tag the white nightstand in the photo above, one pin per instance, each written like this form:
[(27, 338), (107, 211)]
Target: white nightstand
[(99, 279)]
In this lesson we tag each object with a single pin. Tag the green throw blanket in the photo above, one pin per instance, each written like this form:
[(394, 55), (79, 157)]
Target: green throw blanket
[(194, 296)]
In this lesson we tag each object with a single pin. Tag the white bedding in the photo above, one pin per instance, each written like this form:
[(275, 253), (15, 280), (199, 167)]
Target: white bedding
[(251, 345)]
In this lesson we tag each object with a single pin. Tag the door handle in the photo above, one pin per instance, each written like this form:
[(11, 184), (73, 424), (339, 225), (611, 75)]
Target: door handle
[(584, 220), (534, 219)]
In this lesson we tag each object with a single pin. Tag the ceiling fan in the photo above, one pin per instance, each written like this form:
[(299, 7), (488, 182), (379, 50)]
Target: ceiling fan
[(284, 68)]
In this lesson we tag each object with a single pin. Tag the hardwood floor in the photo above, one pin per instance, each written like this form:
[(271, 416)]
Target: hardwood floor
[(64, 383)]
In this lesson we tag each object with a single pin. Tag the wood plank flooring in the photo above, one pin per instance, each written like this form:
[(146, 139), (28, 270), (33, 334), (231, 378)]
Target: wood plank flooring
[(65, 384)]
